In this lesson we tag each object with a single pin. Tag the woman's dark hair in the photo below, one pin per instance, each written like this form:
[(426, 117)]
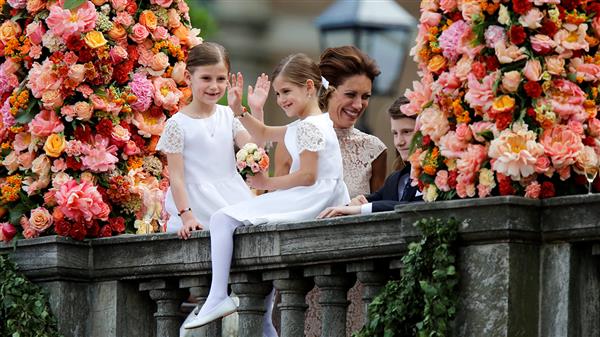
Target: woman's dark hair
[(337, 64), (206, 54), (297, 69)]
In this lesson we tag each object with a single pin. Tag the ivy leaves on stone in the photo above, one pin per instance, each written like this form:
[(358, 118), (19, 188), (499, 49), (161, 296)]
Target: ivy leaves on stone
[(423, 302)]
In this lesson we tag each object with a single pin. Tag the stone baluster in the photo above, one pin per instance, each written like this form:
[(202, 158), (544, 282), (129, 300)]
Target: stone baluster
[(199, 287), (168, 297), (333, 284), (251, 290), (293, 288), (368, 273)]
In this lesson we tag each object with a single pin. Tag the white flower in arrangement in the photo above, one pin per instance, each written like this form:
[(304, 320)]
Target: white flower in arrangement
[(250, 147), (431, 193), (241, 155), (504, 16)]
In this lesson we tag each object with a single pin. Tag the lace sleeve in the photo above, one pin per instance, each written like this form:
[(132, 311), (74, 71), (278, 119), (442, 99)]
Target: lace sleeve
[(309, 137), (171, 140), (237, 127)]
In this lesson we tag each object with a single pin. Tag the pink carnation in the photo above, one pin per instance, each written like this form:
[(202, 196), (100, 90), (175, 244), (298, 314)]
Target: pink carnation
[(481, 94), (66, 23), (493, 35), (533, 190), (46, 123), (142, 88), (450, 146), (81, 201), (562, 145), (99, 157), (433, 123), (450, 39), (566, 99), (417, 97)]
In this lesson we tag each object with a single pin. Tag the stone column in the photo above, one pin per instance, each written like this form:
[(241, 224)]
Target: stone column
[(168, 297), (199, 287), (293, 288), (333, 284), (372, 282), (251, 291)]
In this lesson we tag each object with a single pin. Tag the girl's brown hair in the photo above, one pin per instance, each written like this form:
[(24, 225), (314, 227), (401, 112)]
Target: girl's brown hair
[(395, 113), (297, 69), (339, 63), (206, 54)]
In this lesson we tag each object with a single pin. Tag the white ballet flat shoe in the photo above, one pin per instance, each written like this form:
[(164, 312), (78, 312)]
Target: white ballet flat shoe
[(226, 307)]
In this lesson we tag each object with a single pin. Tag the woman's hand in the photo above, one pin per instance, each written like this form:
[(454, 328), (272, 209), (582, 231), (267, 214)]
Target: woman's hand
[(331, 212), (258, 181), (189, 224), (358, 200), (257, 95), (235, 91)]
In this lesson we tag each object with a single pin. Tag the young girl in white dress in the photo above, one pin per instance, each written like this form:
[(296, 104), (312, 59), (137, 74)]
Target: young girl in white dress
[(315, 180), (199, 144)]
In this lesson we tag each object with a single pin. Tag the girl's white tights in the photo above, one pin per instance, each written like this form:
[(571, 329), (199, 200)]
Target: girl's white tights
[(222, 227)]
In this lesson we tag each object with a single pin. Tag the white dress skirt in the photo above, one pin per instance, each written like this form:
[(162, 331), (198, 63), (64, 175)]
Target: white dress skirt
[(314, 133), (211, 178)]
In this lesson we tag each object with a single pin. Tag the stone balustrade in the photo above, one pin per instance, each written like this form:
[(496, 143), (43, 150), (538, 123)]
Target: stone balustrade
[(527, 268)]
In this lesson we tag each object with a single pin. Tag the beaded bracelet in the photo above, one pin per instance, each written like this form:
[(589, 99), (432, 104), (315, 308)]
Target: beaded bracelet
[(189, 209)]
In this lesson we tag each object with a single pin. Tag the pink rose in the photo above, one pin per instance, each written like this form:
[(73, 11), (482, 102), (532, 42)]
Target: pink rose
[(433, 123), (463, 132), (532, 19), (45, 123), (430, 19), (7, 231), (59, 179), (448, 5), (22, 141), (77, 73), (25, 159), (34, 6), (509, 53), (533, 190), (11, 162), (81, 201), (511, 81), (131, 148), (174, 18), (83, 110), (448, 82), (450, 146), (159, 62), (463, 68), (471, 10), (441, 180), (576, 126), (58, 165), (555, 65), (41, 166), (124, 19), (562, 145), (533, 70), (162, 3), (594, 127), (160, 33), (178, 73), (138, 33), (542, 164), (52, 99), (120, 135), (118, 5), (118, 54), (541, 42), (35, 32), (40, 219)]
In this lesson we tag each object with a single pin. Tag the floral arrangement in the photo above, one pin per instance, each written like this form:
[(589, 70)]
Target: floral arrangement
[(251, 159), (507, 100), (85, 90)]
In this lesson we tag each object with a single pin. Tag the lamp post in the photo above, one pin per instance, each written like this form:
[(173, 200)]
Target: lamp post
[(381, 28)]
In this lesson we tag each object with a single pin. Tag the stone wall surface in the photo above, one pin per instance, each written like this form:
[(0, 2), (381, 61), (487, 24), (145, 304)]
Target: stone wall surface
[(528, 268)]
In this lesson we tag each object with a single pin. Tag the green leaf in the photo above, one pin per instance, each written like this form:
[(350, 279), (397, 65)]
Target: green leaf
[(72, 4), (25, 116)]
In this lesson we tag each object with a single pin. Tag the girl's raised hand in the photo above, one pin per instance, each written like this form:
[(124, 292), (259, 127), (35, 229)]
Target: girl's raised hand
[(235, 91), (257, 95)]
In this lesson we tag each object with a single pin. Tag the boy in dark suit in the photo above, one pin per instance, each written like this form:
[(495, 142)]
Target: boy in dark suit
[(397, 188)]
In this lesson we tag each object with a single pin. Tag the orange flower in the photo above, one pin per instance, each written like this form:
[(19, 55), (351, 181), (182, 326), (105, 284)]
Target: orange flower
[(117, 32), (148, 19), (264, 163), (135, 162), (9, 30), (436, 64), (502, 104), (94, 39), (182, 33)]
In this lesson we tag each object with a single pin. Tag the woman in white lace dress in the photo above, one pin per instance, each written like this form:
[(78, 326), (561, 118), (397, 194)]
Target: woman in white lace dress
[(315, 180), (350, 73)]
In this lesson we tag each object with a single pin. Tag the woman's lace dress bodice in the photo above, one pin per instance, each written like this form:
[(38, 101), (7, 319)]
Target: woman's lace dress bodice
[(359, 150)]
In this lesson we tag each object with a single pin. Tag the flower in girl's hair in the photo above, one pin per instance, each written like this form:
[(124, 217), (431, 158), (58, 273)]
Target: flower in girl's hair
[(251, 159)]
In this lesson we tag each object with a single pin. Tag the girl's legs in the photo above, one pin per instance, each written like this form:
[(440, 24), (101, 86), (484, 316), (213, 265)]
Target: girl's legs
[(268, 328), (222, 227)]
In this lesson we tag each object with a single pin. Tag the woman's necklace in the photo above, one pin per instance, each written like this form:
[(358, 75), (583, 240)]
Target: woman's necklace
[(213, 125)]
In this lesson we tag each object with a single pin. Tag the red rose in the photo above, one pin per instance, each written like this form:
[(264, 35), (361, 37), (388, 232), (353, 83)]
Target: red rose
[(505, 185), (106, 231), (503, 120), (74, 42), (547, 190), (131, 7), (105, 127), (593, 8), (426, 141), (456, 15), (117, 224), (478, 70), (122, 71), (521, 7), (531, 112), (83, 133), (589, 141), (491, 62), (93, 230), (62, 227), (548, 28), (533, 89), (138, 140), (73, 163), (570, 4), (78, 231), (452, 175), (133, 53), (517, 35)]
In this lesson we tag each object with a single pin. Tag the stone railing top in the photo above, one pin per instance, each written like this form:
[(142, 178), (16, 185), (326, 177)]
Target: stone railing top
[(345, 240)]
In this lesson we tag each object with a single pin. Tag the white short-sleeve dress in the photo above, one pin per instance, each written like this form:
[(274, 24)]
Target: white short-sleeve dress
[(211, 179), (314, 133)]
